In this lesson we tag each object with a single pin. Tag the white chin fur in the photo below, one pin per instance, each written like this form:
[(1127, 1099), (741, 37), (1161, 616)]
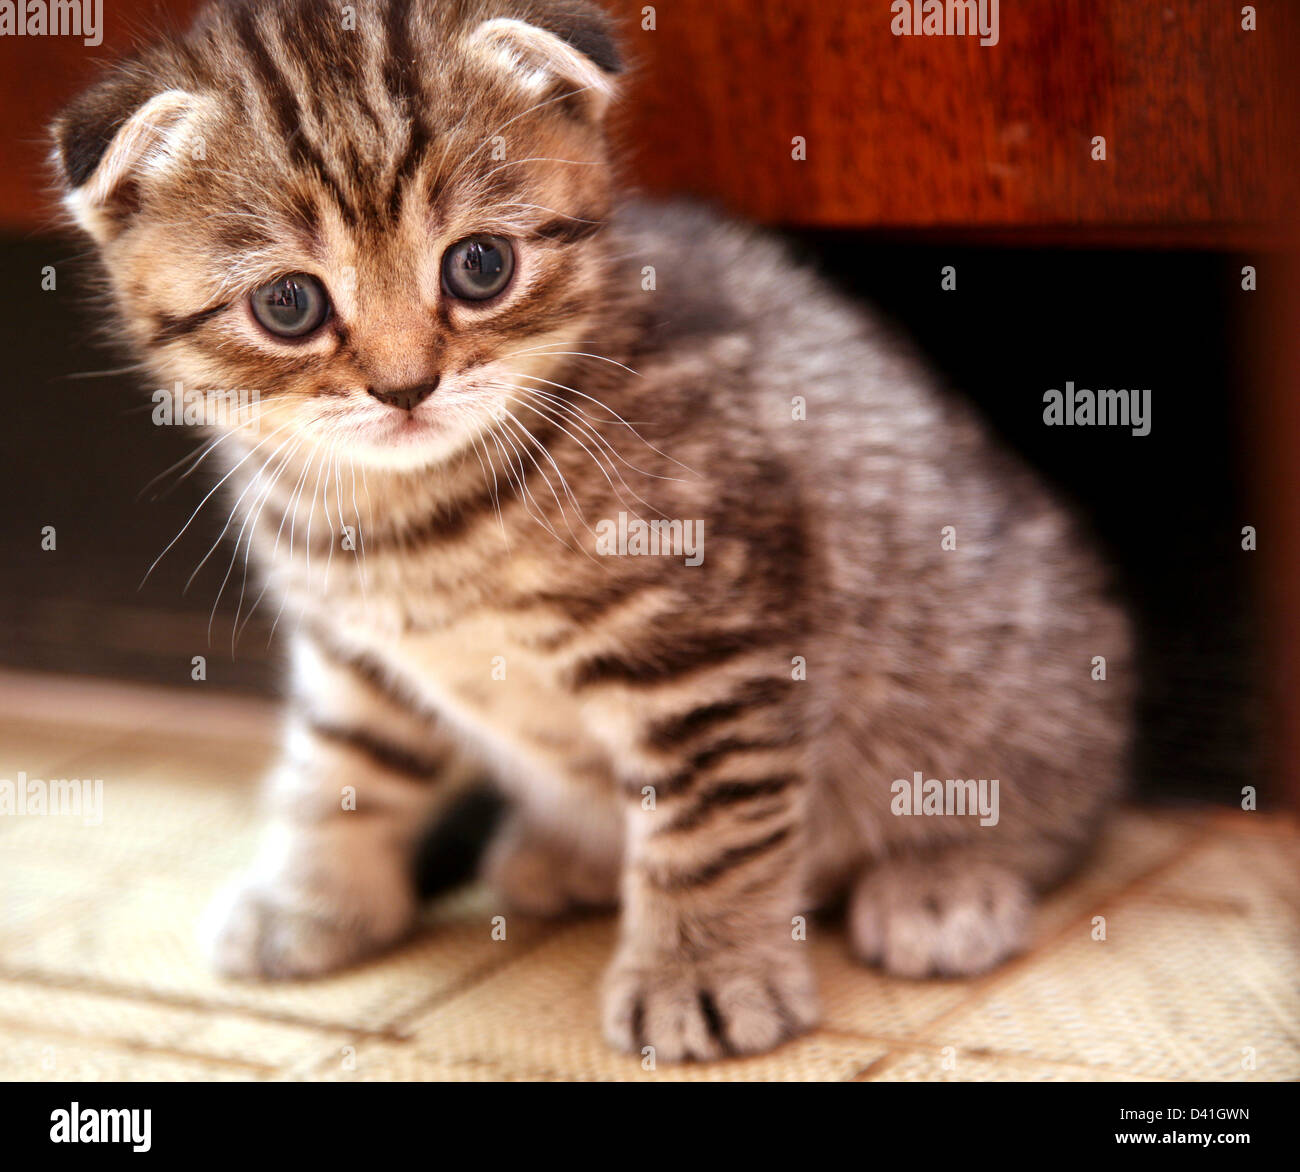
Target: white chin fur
[(402, 454)]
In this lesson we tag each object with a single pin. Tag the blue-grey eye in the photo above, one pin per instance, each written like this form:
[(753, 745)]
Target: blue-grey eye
[(477, 267), (292, 306)]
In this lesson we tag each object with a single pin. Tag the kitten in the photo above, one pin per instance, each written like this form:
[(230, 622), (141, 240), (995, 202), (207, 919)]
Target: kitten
[(483, 370)]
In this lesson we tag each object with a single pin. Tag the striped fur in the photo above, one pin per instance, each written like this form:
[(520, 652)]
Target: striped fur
[(441, 584)]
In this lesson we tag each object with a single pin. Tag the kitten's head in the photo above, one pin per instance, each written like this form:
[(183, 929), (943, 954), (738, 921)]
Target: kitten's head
[(376, 218)]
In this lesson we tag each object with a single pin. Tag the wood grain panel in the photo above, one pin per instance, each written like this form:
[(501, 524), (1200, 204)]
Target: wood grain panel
[(909, 132), (38, 76), (902, 132)]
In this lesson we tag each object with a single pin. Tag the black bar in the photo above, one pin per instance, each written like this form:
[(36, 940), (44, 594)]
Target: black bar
[(920, 1122)]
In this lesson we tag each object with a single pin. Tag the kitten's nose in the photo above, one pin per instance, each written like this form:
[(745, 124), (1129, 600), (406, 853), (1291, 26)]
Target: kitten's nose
[(406, 398)]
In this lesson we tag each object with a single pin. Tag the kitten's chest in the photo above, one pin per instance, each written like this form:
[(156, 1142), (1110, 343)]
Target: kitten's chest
[(497, 692)]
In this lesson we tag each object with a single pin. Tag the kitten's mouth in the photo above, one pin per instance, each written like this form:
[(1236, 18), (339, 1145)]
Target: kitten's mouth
[(389, 430), (406, 427), (398, 437)]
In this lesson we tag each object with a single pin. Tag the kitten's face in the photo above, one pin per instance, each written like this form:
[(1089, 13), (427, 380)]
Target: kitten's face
[(382, 231)]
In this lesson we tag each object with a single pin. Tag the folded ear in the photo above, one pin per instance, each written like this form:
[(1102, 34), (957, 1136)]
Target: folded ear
[(114, 139), (569, 50)]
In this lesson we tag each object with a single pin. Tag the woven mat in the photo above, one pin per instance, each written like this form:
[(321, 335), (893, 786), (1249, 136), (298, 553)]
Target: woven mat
[(100, 976)]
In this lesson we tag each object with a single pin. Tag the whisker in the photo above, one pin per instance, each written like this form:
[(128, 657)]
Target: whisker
[(134, 368), (370, 504), (510, 121), (248, 545), (293, 524), (559, 504), (325, 502), (551, 211), (618, 418), (559, 422), (496, 499), (539, 159), (545, 349), (588, 429), (204, 501), (540, 515), (234, 554), (284, 516), (311, 516), (517, 478), (361, 536), (206, 446), (564, 483), (233, 510), (588, 423)]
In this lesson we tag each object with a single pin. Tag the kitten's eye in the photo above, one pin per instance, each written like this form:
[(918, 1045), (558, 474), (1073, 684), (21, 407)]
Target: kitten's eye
[(292, 306), (478, 267)]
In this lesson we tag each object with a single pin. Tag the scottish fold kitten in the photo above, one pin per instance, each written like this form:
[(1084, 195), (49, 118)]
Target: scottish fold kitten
[(613, 499)]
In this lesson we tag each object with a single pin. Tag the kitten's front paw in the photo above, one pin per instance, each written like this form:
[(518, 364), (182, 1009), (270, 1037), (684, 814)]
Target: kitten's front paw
[(736, 1003), (303, 924)]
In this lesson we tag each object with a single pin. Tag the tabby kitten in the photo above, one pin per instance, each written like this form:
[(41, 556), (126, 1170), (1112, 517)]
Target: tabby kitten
[(483, 371)]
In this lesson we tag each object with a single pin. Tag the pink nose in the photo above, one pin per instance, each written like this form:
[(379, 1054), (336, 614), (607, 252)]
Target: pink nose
[(406, 398)]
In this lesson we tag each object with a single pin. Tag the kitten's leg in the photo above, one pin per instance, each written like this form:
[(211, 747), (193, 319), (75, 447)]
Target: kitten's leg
[(358, 783), (708, 963), (956, 914)]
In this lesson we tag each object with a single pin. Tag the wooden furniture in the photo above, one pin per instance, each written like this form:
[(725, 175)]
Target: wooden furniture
[(917, 132), (942, 133)]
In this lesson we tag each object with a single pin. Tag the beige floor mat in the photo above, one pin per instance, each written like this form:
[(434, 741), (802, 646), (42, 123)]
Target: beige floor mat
[(100, 977)]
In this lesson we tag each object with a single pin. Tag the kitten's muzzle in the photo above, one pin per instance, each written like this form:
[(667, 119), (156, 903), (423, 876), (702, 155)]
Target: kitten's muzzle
[(405, 398)]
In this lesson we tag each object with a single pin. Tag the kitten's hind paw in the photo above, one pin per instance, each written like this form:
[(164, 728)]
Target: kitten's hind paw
[(941, 918), (539, 878), (715, 1008)]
